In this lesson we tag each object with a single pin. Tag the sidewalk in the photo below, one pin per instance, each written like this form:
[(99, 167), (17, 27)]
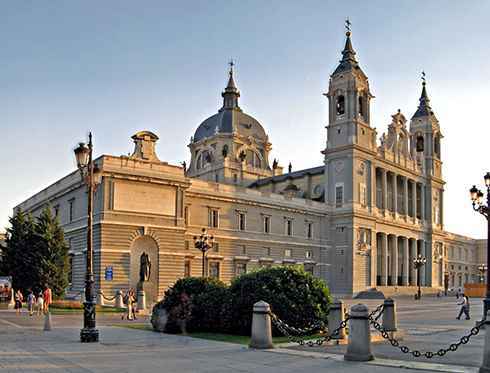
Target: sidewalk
[(28, 349)]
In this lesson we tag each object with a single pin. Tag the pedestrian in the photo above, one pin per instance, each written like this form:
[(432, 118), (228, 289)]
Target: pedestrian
[(465, 307), (134, 300), (30, 302), (18, 301), (128, 303), (40, 303), (48, 298)]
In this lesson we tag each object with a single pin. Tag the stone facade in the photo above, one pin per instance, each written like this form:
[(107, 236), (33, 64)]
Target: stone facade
[(357, 221)]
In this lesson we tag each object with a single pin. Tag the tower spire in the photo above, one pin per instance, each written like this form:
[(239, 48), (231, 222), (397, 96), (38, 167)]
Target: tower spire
[(231, 93), (348, 61), (424, 108)]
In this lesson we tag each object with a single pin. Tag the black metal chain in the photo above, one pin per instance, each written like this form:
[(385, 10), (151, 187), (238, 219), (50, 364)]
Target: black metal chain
[(285, 329), (109, 299), (379, 309), (427, 354)]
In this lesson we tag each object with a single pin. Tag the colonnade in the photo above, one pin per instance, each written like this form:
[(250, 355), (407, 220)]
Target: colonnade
[(395, 256), (399, 194)]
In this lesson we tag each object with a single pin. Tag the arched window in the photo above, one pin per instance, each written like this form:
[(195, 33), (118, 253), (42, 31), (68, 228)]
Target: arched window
[(204, 158), (340, 105), (437, 146), (253, 159), (419, 144), (360, 106)]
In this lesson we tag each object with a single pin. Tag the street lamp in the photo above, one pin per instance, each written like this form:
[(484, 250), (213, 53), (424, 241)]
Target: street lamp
[(204, 243), (418, 263), (482, 268), (477, 200), (89, 173)]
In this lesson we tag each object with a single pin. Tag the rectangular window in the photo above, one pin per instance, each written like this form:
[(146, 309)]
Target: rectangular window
[(186, 215), (216, 247), (268, 251), (213, 218), (187, 268), (267, 224), (186, 245), (339, 196), (242, 221), (240, 269), (308, 254), (309, 230), (244, 250), (214, 270), (289, 227), (70, 269), (287, 253), (71, 209)]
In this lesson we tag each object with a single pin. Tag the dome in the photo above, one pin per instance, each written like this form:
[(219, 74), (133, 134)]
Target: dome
[(230, 118), (228, 121)]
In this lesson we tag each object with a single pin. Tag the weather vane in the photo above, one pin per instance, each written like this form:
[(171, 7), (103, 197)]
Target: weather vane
[(231, 63), (347, 24), (423, 77)]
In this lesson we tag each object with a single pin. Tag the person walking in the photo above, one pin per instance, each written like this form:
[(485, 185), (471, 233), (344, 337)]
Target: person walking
[(30, 302), (465, 307), (134, 300), (40, 303), (48, 298), (18, 301)]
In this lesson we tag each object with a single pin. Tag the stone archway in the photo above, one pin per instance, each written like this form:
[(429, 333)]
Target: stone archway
[(148, 245)]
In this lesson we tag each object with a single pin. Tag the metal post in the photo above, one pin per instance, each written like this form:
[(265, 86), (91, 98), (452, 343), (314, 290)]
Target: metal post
[(89, 333), (203, 263), (486, 301)]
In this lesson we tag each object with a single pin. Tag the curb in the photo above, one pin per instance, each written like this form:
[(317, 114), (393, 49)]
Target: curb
[(382, 362)]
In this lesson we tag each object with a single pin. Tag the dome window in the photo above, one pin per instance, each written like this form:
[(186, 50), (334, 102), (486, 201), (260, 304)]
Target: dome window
[(419, 144)]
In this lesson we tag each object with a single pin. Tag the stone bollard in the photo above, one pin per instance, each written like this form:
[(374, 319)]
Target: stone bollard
[(359, 346), (335, 317), (485, 367), (11, 304), (389, 315), (261, 326), (141, 300), (119, 300), (47, 321), (100, 298)]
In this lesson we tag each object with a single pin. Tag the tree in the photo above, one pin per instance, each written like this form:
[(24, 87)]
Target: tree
[(18, 256), (36, 253), (51, 252)]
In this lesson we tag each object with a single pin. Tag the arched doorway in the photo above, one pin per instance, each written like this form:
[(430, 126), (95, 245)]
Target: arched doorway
[(144, 244)]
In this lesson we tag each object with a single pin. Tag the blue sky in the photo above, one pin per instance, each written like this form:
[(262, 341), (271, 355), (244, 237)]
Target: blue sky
[(116, 67)]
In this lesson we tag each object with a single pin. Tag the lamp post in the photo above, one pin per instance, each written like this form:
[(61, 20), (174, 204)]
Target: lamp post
[(482, 268), (89, 173), (484, 209), (204, 243), (418, 263)]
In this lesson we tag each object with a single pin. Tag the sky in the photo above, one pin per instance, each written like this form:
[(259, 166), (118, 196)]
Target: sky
[(117, 67)]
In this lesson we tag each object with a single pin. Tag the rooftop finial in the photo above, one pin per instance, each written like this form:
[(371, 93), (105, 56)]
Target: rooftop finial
[(423, 77), (347, 26), (231, 63)]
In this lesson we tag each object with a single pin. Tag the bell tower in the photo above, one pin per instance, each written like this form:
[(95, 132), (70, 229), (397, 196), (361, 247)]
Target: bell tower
[(349, 99)]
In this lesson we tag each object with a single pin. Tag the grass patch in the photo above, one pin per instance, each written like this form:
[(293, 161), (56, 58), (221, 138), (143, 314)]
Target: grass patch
[(241, 339), (57, 310)]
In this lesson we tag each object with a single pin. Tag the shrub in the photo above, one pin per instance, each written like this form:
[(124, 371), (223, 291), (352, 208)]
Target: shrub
[(294, 295), (207, 297)]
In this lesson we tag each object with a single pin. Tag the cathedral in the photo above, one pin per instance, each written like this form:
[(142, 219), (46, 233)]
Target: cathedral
[(357, 221)]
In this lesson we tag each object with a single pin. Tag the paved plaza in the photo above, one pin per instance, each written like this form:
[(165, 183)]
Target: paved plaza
[(24, 347)]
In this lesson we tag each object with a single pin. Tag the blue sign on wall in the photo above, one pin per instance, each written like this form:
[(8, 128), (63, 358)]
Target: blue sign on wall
[(108, 273)]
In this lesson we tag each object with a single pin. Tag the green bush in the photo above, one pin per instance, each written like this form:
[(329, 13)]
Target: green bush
[(294, 295), (207, 297)]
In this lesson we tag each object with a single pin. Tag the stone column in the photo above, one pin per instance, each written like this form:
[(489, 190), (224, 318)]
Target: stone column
[(413, 254), (385, 188), (422, 202), (374, 259), (405, 196), (394, 260), (384, 259), (395, 194), (335, 317), (406, 262), (414, 199)]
